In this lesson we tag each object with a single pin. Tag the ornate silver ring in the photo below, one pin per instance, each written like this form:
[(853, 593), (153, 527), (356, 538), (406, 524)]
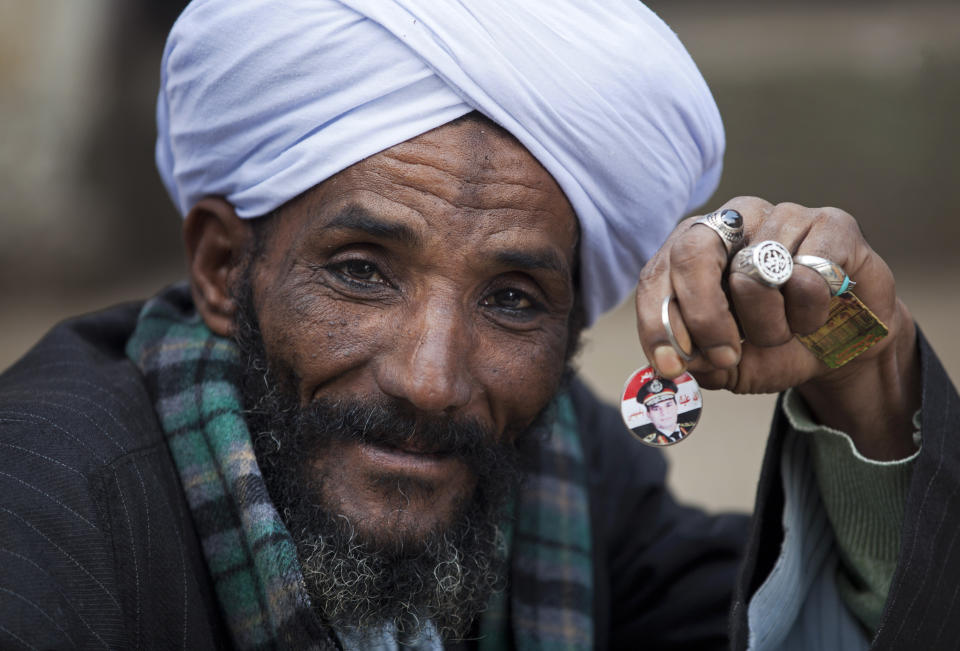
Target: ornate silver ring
[(728, 224), (836, 278), (767, 262)]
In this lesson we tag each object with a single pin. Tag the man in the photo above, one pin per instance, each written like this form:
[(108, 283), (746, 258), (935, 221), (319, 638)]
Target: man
[(357, 427), (659, 398)]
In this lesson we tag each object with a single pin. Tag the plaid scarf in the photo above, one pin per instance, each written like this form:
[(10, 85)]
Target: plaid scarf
[(193, 379)]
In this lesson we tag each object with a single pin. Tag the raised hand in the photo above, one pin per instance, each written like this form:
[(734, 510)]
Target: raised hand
[(744, 331)]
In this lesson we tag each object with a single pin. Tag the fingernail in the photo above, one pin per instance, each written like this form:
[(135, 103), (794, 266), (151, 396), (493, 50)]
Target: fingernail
[(723, 356), (667, 361)]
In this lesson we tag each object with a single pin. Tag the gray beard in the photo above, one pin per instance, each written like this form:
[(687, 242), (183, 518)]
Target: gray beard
[(445, 578), (356, 586)]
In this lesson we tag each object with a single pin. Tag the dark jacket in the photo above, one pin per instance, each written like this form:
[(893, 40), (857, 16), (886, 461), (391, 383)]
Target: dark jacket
[(923, 606)]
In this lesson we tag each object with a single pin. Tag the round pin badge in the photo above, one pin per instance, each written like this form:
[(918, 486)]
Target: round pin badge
[(658, 411)]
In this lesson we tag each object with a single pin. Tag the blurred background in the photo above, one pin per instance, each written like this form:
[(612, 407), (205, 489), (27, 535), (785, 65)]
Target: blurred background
[(854, 105)]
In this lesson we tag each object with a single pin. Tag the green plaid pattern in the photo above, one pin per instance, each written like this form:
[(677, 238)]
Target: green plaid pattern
[(193, 378)]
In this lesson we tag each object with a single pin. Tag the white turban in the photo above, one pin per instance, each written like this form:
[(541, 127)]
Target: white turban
[(261, 100)]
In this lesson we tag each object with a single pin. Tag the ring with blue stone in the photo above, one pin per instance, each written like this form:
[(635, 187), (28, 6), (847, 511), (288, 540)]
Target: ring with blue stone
[(832, 273), (728, 224)]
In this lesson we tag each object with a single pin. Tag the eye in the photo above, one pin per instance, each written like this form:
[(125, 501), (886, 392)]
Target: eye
[(359, 271), (510, 299)]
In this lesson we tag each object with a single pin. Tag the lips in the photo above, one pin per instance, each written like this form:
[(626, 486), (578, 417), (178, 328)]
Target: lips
[(416, 447), (433, 468), (411, 440)]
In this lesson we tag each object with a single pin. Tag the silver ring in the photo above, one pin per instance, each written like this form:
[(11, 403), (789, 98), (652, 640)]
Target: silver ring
[(836, 278), (665, 318), (728, 224), (767, 262)]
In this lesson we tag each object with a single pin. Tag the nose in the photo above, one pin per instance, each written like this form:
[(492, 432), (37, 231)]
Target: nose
[(427, 363)]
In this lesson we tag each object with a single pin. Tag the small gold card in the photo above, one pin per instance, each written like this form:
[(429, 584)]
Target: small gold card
[(851, 329)]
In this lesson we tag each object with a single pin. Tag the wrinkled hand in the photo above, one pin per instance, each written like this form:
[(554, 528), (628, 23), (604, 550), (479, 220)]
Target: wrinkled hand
[(692, 265)]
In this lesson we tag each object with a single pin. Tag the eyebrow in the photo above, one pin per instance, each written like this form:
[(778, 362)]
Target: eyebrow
[(358, 219), (532, 260)]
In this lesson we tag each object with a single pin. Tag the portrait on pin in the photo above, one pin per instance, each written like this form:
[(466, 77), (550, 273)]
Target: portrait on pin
[(659, 411)]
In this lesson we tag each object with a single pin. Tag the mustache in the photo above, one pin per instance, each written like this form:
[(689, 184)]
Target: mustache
[(386, 425)]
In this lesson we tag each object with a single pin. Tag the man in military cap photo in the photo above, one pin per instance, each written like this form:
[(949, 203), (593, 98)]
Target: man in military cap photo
[(659, 397)]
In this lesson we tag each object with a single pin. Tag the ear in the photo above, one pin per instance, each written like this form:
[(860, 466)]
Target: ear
[(216, 241)]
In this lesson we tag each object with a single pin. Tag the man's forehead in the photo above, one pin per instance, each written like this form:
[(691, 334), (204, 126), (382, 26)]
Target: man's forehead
[(470, 163), (472, 144), (448, 183)]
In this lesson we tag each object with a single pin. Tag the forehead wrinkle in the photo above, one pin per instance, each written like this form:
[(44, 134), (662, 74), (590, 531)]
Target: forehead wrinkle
[(472, 171), (465, 191), (452, 203)]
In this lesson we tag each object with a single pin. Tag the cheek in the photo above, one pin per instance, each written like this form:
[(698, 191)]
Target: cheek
[(318, 337), (522, 376)]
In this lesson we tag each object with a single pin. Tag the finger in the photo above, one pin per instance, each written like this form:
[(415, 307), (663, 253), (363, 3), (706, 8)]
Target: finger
[(762, 310), (763, 368), (653, 288), (834, 236), (698, 262), (714, 379), (806, 300), (697, 266)]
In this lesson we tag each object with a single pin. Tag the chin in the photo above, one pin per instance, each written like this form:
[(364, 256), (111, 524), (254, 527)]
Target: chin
[(409, 527), (412, 550), (394, 508)]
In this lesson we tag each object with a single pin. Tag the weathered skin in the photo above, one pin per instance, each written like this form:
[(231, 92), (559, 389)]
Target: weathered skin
[(437, 273)]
